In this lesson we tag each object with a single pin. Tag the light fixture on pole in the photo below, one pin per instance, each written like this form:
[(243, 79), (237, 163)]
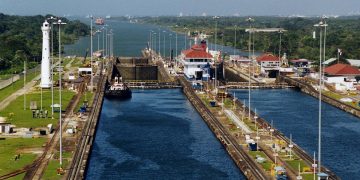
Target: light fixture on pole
[(322, 25), (216, 24), (235, 40), (52, 20), (59, 23), (185, 37), (250, 20), (164, 55), (91, 52)]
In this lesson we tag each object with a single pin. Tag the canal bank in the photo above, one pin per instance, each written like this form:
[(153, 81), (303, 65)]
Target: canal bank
[(310, 90), (299, 117)]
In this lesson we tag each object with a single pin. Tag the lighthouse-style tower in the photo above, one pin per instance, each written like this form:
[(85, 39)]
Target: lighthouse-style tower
[(45, 62)]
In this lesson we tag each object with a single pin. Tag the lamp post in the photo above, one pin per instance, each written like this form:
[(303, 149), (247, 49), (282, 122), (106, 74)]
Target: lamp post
[(322, 25), (185, 28), (91, 51), (235, 40), (52, 20), (98, 38), (170, 35), (164, 55), (59, 23), (216, 23), (159, 42), (24, 85), (154, 39), (250, 20), (280, 33)]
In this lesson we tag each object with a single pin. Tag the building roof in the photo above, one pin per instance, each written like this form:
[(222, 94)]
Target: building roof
[(299, 60), (354, 62), (267, 57), (327, 62), (197, 52), (342, 69)]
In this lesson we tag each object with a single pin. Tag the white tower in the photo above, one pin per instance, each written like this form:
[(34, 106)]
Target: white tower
[(45, 62)]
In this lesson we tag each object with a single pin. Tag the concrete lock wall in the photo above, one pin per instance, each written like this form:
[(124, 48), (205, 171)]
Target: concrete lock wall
[(233, 77), (138, 72), (133, 61)]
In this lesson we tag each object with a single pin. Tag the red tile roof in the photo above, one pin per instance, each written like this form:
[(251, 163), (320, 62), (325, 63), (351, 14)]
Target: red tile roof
[(197, 52), (267, 57), (342, 69)]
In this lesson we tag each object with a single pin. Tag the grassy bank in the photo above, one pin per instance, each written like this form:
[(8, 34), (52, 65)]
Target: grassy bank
[(23, 118), (11, 147)]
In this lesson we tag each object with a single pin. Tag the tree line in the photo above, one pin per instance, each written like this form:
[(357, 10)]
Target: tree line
[(297, 42), (21, 40)]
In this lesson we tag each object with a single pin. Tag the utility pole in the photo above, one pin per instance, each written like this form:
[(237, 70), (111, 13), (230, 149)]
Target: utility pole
[(59, 23), (24, 85), (250, 20), (91, 53), (321, 25)]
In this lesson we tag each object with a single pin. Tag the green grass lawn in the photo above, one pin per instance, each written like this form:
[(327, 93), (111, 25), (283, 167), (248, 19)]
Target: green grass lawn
[(18, 177), (267, 164), (89, 97), (51, 170), (338, 97), (5, 76), (23, 118), (11, 146), (16, 86)]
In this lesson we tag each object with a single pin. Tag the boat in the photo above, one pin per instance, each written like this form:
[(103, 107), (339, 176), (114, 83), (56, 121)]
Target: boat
[(99, 21), (118, 90)]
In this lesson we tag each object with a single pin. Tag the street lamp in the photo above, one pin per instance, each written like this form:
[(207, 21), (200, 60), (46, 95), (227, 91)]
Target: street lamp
[(185, 28), (91, 53), (52, 20), (59, 23), (159, 43), (235, 40), (322, 25), (164, 44), (250, 20), (216, 23), (170, 35)]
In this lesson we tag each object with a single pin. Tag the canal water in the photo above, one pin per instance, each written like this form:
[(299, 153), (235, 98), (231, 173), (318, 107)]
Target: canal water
[(157, 135), (296, 113), (130, 39)]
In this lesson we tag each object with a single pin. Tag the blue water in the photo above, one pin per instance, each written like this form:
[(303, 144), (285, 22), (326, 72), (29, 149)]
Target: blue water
[(296, 113), (130, 39), (157, 135)]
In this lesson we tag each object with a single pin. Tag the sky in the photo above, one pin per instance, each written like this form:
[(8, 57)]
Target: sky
[(175, 7)]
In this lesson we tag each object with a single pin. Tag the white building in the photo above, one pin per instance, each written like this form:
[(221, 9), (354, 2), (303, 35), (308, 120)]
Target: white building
[(45, 62), (196, 62), (342, 76)]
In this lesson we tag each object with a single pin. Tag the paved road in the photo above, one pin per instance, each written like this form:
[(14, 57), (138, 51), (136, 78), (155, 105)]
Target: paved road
[(20, 92)]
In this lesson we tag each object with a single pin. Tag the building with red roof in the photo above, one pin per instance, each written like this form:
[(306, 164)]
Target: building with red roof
[(268, 60), (196, 62), (269, 64), (341, 76), (341, 70)]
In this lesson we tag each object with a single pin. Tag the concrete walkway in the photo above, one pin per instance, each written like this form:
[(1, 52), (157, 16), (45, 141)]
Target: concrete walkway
[(230, 114)]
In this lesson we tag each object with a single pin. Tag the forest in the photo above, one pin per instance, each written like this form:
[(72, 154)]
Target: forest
[(21, 40), (297, 42)]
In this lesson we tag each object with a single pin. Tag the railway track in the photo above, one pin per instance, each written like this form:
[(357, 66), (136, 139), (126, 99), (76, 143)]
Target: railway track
[(87, 135), (251, 166), (31, 169)]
